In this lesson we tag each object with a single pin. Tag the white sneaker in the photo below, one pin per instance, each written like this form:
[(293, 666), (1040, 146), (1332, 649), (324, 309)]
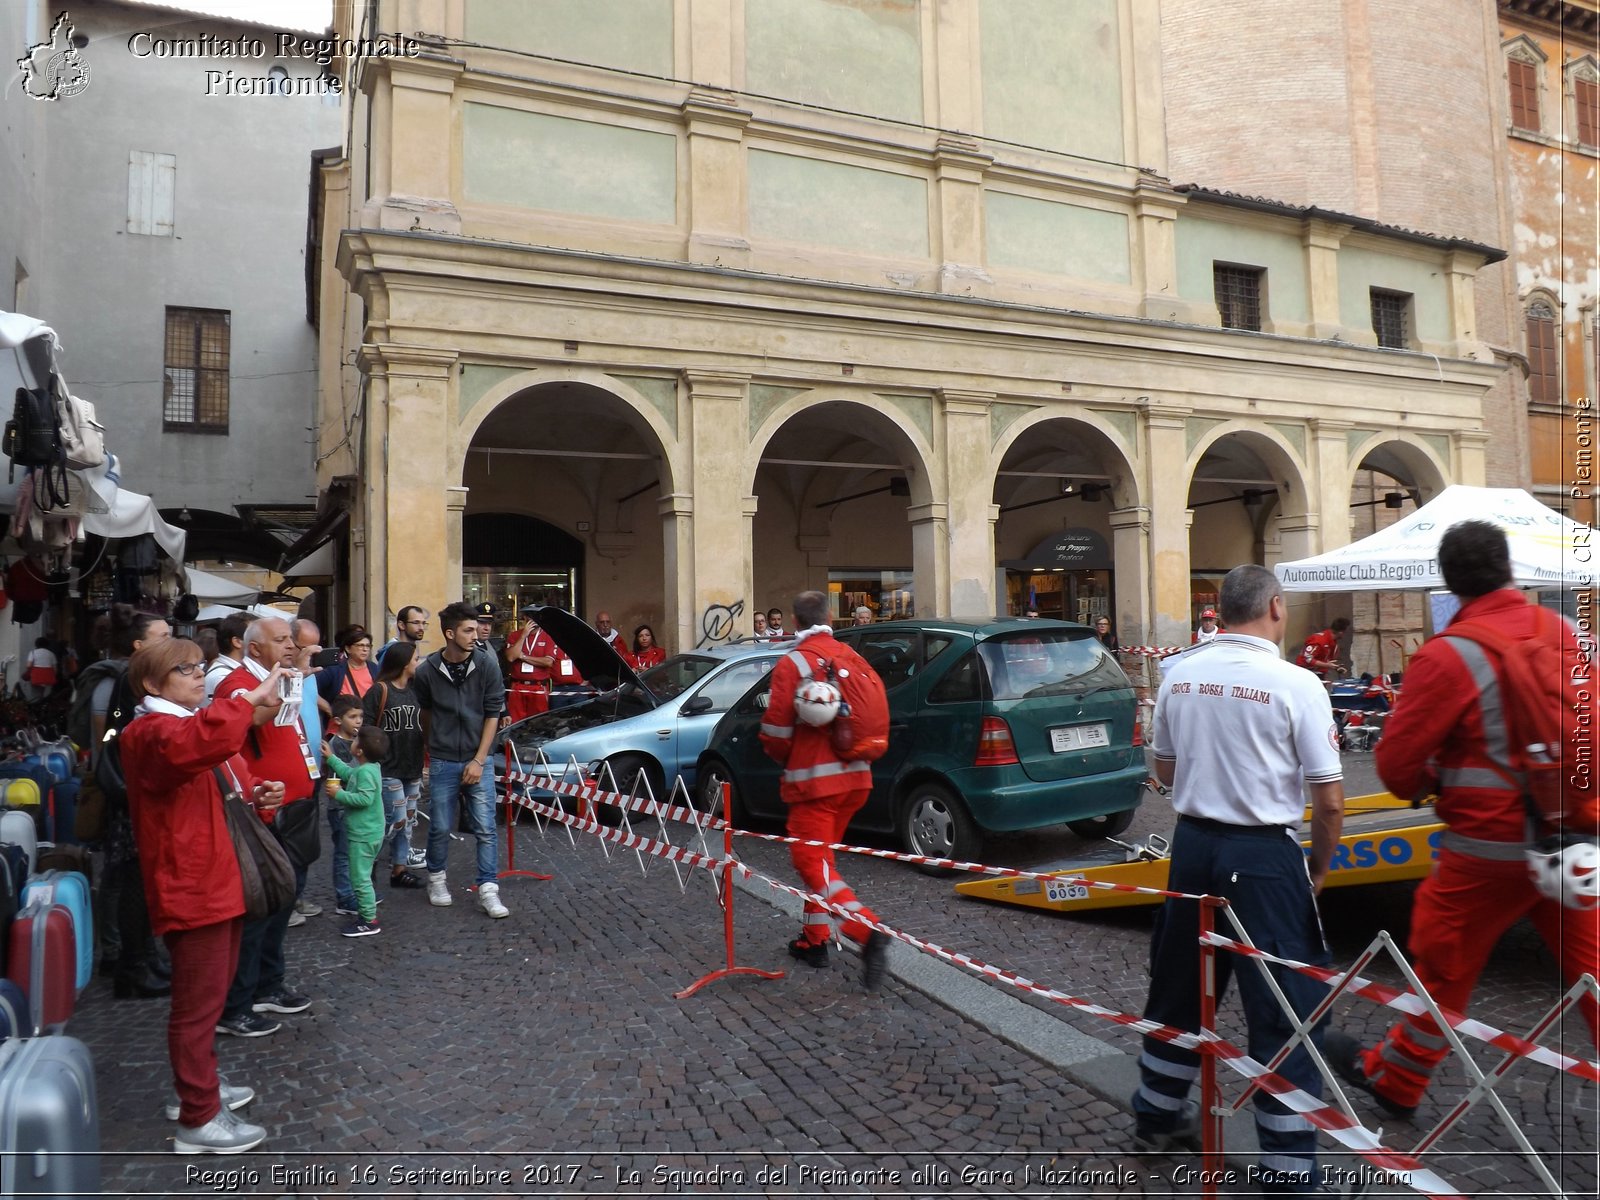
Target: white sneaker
[(232, 1098), (489, 900), (296, 918), (223, 1134), (438, 890)]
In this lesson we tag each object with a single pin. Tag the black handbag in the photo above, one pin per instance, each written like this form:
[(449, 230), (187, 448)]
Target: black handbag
[(297, 828), (264, 867)]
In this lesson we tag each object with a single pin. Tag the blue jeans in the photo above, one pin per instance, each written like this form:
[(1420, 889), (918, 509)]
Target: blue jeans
[(444, 785), (343, 893), (400, 809), (261, 965)]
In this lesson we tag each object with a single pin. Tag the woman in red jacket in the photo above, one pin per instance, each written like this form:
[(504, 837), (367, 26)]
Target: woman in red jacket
[(646, 653), (171, 753)]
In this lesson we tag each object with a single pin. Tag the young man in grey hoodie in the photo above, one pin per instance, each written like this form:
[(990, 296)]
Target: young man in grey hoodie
[(461, 695)]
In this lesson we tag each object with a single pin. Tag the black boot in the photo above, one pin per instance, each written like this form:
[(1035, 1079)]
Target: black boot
[(145, 985)]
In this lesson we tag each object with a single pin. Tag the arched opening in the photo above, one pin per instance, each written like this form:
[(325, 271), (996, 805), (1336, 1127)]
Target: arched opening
[(563, 480), (1056, 486), (835, 486), (1245, 492)]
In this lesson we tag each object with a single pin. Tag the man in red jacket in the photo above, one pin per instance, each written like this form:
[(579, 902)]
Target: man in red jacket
[(277, 751), (1321, 653), (823, 794), (1447, 737)]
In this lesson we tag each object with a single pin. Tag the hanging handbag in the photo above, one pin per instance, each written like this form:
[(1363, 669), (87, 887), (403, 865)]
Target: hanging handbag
[(297, 828), (264, 869)]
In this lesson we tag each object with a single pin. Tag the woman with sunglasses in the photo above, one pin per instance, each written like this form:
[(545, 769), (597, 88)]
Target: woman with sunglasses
[(177, 753)]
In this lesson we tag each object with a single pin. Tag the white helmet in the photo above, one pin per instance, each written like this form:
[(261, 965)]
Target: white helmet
[(1567, 871), (816, 702)]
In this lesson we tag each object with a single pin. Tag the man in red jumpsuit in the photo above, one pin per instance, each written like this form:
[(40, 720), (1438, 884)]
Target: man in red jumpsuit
[(1321, 654), (1447, 737), (823, 794), (532, 660)]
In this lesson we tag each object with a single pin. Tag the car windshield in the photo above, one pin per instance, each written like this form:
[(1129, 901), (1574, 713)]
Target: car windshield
[(675, 676), (1050, 662)]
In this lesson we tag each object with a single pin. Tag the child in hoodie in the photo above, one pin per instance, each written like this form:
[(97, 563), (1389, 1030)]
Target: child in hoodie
[(360, 794)]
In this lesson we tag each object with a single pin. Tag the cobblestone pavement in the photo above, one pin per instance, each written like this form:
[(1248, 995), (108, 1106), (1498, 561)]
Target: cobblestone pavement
[(550, 1046)]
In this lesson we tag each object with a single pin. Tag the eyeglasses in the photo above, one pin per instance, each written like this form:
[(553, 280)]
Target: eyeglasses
[(190, 668)]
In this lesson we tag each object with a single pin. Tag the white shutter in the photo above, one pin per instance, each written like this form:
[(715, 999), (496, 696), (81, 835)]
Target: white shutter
[(152, 185)]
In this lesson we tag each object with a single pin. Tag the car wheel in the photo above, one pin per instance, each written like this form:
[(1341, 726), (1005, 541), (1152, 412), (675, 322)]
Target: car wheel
[(626, 769), (1103, 827), (708, 794), (934, 822)]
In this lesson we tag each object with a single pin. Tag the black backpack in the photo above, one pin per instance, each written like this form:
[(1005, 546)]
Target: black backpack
[(32, 438), (108, 765)]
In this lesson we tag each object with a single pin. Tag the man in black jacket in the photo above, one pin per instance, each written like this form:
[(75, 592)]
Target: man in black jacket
[(461, 695)]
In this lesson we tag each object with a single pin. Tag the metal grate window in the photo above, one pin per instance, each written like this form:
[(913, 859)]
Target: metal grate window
[(1544, 368), (1390, 311), (1238, 291), (195, 392), (1524, 80)]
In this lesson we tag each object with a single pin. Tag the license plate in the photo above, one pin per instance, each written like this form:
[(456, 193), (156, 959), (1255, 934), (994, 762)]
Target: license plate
[(1065, 891), (1079, 737)]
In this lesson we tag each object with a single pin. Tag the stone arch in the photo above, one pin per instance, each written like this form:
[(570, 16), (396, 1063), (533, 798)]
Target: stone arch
[(1128, 488), (1276, 454), (1407, 452), (905, 438)]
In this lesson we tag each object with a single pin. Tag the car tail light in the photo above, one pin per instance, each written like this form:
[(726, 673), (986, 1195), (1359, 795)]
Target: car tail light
[(1138, 730), (995, 747)]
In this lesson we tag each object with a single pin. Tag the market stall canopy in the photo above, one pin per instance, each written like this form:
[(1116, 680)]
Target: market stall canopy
[(215, 612), (1548, 549), (131, 515), (318, 566), (203, 585)]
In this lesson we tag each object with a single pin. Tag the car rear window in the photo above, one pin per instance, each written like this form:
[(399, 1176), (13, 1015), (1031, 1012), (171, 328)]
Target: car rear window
[(1050, 662), (677, 675)]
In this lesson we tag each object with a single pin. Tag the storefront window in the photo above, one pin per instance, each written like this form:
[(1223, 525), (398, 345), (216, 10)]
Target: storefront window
[(509, 591), (886, 592), (1061, 595)]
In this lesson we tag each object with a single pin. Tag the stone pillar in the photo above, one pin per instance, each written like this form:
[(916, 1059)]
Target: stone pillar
[(1130, 562), (958, 168), (1156, 211), (930, 558), (955, 47), (411, 174), (969, 487), (1143, 93), (1330, 476), (1471, 447), (711, 43), (1321, 240), (716, 179), (1462, 273), (1299, 536), (709, 552), (677, 561), (409, 473), (1168, 489), (455, 510)]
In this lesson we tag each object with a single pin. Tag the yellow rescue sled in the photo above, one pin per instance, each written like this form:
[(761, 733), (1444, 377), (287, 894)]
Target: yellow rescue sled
[(1385, 840)]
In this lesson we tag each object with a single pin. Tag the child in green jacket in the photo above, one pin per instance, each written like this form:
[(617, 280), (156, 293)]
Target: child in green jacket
[(359, 791)]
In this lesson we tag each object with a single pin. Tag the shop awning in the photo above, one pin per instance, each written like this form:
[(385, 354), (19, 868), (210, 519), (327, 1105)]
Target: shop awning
[(316, 567), (131, 515), (1069, 550), (203, 585)]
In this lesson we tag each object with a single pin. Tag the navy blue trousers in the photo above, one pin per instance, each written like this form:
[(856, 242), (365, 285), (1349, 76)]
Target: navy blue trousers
[(1262, 872)]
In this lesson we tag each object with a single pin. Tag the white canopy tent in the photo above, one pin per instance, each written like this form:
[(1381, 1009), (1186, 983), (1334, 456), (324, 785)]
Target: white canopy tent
[(1548, 550)]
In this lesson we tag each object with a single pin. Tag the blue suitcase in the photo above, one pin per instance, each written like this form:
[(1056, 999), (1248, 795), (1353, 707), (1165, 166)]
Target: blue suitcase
[(64, 812), (49, 1119), (72, 890), (53, 760), (13, 1011)]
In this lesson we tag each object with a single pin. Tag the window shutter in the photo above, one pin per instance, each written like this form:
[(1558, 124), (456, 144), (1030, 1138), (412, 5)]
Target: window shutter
[(152, 185), (1544, 379), (1524, 79), (1586, 99)]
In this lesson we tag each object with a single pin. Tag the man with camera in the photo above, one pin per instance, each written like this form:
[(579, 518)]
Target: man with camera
[(276, 749)]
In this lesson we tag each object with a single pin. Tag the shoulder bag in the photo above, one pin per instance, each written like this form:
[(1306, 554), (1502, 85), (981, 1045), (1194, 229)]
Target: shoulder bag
[(264, 868)]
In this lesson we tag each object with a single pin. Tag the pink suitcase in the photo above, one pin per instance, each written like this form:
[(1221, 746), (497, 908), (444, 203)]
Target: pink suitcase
[(43, 961)]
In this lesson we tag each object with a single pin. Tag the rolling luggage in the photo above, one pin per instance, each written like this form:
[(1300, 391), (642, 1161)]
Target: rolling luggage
[(64, 812), (54, 759), (17, 829), (13, 874), (70, 889), (67, 858), (49, 1119), (42, 959), (13, 1010)]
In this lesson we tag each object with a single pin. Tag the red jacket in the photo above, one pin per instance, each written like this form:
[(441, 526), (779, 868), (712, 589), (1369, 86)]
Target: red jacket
[(811, 769), (1437, 728), (1319, 651), (275, 752), (191, 877)]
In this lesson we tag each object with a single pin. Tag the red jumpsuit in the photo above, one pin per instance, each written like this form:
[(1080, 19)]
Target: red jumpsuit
[(1438, 740), (1319, 653), (529, 693), (822, 793)]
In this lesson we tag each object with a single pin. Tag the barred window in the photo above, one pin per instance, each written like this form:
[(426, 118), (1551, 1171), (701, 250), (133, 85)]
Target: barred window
[(1544, 369), (1524, 79), (1390, 317), (1238, 292), (195, 392)]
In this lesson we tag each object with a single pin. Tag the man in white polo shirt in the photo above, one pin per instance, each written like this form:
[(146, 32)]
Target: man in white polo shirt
[(1237, 733)]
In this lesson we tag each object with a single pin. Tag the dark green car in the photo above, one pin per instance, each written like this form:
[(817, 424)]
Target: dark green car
[(994, 726)]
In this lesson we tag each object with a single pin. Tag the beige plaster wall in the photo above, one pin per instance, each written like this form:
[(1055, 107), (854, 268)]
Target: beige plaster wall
[(1360, 270), (861, 56), (1202, 243), (812, 200), (1064, 239), (632, 35)]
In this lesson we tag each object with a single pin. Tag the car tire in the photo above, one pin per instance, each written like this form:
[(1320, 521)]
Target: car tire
[(625, 768), (708, 791), (934, 822), (1109, 825)]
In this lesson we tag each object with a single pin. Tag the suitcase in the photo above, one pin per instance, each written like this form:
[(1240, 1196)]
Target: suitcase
[(23, 795), (17, 829), (21, 768), (64, 812), (52, 759), (49, 1119), (71, 889), (13, 1010), (43, 960), (13, 873)]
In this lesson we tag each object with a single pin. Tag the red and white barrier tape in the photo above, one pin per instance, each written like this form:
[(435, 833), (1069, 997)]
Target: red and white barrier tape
[(696, 817), (1411, 1004), (1344, 1129), (1154, 651)]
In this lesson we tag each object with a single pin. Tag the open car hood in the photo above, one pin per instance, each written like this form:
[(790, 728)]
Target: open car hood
[(586, 648)]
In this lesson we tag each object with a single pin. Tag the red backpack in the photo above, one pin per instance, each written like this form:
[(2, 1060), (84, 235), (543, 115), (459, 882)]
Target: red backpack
[(860, 731), (1547, 700)]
